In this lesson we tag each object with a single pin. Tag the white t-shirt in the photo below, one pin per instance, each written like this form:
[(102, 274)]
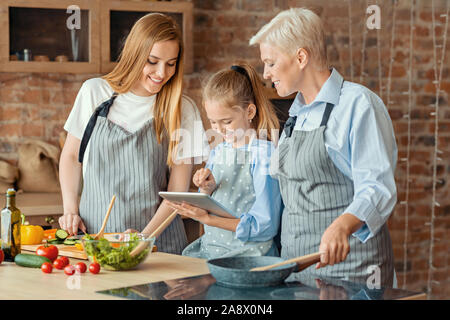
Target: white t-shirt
[(131, 112)]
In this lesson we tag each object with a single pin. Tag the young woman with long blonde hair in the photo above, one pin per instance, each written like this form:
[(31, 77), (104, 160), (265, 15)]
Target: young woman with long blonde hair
[(122, 139)]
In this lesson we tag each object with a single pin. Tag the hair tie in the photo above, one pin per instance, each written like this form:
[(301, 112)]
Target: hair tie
[(241, 71)]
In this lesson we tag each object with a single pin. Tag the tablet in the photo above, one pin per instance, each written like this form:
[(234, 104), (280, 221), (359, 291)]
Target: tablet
[(200, 200)]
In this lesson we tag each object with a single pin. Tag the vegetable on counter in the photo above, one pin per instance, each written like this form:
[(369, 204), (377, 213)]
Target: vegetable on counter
[(49, 234), (48, 251), (2, 256), (94, 268), (65, 260), (59, 264), (30, 260), (30, 234), (61, 234), (80, 267), (47, 267), (69, 270)]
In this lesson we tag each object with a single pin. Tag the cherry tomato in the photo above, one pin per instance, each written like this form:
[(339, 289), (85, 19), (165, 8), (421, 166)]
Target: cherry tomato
[(65, 260), (2, 256), (59, 264), (69, 270), (47, 267), (80, 267), (50, 252), (94, 267)]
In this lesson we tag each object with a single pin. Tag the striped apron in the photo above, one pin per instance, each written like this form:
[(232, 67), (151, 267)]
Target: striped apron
[(315, 193), (131, 166)]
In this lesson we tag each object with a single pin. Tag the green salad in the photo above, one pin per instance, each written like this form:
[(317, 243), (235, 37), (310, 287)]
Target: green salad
[(114, 255)]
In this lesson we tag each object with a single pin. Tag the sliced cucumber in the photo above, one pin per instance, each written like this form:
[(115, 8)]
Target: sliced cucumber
[(70, 242), (61, 234), (55, 241)]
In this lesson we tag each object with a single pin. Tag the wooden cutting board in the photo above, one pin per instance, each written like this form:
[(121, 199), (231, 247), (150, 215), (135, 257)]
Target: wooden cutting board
[(68, 251)]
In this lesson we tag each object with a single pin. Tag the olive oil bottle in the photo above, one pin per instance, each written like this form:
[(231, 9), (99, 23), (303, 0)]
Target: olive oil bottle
[(10, 227)]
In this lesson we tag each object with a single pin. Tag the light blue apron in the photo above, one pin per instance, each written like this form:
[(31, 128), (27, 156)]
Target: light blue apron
[(232, 172)]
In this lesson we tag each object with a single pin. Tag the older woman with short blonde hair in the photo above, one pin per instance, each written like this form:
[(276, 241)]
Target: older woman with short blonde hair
[(336, 156)]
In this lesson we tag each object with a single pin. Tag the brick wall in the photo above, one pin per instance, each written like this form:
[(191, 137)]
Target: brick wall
[(36, 105)]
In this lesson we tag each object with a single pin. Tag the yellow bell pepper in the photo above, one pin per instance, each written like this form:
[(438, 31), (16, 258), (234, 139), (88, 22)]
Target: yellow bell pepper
[(31, 234)]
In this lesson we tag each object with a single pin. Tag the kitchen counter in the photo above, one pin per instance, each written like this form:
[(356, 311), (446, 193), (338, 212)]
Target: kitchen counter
[(31, 283), (160, 277)]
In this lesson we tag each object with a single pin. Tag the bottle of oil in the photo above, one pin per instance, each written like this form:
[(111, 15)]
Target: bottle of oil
[(10, 227)]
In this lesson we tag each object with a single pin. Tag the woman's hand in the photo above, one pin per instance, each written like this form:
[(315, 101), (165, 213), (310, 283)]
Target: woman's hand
[(334, 245), (71, 223), (331, 292), (186, 288), (189, 211), (204, 179)]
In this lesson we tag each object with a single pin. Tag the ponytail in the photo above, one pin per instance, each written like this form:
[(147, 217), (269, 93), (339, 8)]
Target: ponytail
[(241, 85)]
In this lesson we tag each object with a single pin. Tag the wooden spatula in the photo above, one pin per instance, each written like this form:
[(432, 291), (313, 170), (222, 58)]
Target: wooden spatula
[(303, 262), (99, 235), (141, 246)]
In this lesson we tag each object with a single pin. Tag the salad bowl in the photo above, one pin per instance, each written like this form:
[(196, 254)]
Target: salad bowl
[(114, 254)]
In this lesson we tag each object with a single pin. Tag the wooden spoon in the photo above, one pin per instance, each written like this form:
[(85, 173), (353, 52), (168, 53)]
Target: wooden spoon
[(303, 262), (99, 235), (141, 246)]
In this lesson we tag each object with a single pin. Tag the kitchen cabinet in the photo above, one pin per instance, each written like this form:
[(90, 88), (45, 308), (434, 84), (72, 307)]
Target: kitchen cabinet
[(117, 18), (77, 36), (45, 29)]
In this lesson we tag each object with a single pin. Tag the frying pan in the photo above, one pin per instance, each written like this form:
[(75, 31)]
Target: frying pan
[(235, 271)]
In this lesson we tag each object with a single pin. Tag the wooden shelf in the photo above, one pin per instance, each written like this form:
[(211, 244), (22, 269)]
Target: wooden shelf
[(44, 11), (97, 56), (182, 12)]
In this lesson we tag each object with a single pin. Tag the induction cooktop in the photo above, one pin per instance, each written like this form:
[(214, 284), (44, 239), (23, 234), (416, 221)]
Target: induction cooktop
[(303, 288)]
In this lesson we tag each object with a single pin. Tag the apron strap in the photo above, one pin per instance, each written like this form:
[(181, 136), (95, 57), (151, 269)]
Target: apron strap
[(102, 111), (290, 123), (289, 126), (326, 114)]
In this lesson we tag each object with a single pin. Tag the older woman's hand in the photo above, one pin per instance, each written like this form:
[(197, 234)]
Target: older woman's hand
[(334, 245)]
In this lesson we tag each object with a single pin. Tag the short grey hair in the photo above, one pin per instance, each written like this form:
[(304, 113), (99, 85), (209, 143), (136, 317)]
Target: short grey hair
[(293, 29)]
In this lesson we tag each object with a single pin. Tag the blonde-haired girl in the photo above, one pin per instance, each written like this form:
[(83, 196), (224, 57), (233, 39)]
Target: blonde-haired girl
[(236, 173), (120, 138)]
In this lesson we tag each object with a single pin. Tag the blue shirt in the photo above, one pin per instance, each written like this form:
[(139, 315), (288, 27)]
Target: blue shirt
[(261, 223), (360, 141)]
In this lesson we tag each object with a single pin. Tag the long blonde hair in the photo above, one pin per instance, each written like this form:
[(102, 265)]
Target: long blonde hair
[(235, 88), (148, 30)]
